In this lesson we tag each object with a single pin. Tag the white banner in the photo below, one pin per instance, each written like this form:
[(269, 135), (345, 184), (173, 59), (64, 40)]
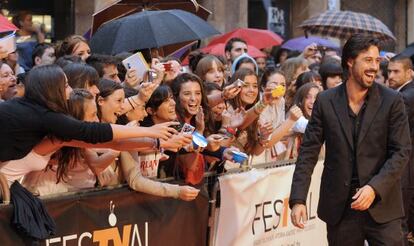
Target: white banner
[(255, 210)]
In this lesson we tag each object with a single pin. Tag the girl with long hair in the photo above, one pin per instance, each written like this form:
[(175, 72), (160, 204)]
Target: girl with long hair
[(74, 45), (272, 119), (42, 111), (210, 69), (138, 167), (249, 103), (304, 99)]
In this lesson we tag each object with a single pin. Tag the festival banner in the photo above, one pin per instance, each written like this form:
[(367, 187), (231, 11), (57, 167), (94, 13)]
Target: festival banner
[(255, 210), (118, 217)]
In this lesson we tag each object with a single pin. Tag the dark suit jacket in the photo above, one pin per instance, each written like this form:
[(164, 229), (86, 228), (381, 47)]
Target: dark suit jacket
[(383, 150), (407, 92)]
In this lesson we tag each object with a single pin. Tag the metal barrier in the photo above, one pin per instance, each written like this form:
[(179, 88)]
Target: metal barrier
[(210, 182)]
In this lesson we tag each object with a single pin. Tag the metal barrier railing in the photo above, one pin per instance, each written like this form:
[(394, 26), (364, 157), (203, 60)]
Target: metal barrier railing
[(211, 183)]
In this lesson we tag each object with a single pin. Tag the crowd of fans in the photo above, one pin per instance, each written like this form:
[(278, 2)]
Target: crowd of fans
[(72, 119)]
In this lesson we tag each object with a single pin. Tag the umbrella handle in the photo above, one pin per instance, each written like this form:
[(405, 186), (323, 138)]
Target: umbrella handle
[(5, 190)]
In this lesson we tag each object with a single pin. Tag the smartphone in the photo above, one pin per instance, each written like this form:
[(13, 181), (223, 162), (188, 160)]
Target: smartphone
[(239, 83), (187, 129), (178, 127), (137, 62), (151, 76)]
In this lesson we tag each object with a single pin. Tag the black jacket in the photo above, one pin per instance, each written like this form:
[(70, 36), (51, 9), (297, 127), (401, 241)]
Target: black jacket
[(408, 95), (383, 150), (24, 123)]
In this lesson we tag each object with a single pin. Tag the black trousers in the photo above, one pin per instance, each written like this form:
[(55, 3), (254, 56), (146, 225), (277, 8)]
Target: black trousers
[(408, 200), (357, 226)]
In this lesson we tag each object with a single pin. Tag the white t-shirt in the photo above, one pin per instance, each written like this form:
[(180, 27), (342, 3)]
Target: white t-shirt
[(148, 163)]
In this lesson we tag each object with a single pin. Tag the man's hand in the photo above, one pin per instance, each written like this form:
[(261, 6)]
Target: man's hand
[(299, 215), (364, 198)]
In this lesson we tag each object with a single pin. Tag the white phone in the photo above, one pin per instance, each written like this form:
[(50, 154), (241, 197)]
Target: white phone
[(137, 62)]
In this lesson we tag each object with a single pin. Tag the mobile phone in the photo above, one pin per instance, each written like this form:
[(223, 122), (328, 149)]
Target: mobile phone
[(151, 76), (239, 83), (187, 128), (178, 127)]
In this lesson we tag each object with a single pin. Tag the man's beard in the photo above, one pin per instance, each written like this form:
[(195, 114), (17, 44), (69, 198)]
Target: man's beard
[(359, 78)]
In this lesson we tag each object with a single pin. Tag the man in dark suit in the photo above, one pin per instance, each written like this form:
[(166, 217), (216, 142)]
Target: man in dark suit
[(400, 70), (365, 130)]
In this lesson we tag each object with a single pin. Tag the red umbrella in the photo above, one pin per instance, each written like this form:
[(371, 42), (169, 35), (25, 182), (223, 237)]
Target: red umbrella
[(218, 49), (6, 25), (257, 37)]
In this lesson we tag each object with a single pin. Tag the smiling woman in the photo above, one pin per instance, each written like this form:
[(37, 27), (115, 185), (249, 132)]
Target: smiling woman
[(110, 100), (191, 100), (247, 139), (306, 97)]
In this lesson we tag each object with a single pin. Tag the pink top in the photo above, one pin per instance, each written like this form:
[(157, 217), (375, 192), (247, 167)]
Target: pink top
[(16, 169)]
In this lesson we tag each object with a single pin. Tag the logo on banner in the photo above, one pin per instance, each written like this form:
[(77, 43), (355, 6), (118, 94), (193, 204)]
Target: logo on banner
[(103, 237), (112, 216), (277, 212)]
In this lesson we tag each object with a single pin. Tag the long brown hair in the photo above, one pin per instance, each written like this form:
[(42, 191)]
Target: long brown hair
[(46, 85), (205, 64), (236, 102), (106, 88), (68, 157), (81, 75)]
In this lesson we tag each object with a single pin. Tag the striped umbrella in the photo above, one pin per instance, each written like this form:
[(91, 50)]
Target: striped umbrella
[(343, 24)]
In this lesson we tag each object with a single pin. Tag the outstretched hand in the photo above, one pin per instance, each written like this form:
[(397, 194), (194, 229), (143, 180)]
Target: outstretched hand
[(163, 131)]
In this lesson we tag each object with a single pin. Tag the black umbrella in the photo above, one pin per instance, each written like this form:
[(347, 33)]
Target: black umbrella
[(149, 29), (30, 217)]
